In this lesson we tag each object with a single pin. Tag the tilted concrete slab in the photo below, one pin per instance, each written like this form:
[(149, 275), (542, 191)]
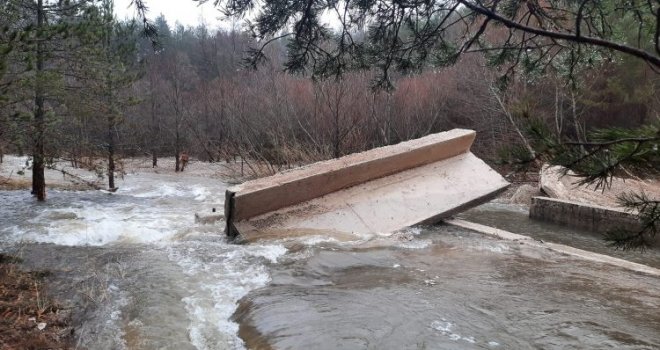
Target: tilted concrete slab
[(381, 190)]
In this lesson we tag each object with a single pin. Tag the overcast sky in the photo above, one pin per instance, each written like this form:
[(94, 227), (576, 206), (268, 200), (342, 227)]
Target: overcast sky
[(187, 12)]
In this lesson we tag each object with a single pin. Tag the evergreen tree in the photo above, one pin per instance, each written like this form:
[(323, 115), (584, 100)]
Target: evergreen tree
[(33, 52), (116, 52)]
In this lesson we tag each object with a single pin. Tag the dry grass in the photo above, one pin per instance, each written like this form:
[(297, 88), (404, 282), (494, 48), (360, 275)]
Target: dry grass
[(15, 184), (24, 307)]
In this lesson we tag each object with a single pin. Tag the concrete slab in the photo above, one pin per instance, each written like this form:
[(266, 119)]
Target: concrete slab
[(294, 186), (382, 190), (424, 194)]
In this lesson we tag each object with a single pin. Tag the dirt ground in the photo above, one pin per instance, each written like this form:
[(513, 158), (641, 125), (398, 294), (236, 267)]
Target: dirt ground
[(16, 173), (566, 187), (29, 319)]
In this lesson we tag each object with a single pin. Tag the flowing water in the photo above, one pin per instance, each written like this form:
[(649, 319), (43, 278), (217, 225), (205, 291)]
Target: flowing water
[(515, 218), (146, 277)]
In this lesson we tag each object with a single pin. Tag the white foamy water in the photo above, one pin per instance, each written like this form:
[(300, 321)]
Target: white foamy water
[(147, 208), (223, 279), (99, 224), (158, 191), (406, 238), (156, 211), (446, 328)]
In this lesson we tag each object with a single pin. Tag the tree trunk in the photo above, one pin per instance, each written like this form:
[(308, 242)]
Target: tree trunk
[(111, 154), (576, 122), (177, 151), (337, 141), (559, 114), (155, 128), (506, 112), (110, 109), (38, 176)]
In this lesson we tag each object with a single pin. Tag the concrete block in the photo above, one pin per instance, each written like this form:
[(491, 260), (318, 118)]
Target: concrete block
[(582, 215), (381, 190)]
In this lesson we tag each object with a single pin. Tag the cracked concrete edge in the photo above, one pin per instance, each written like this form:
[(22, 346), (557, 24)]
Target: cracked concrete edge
[(576, 203), (559, 248), (463, 207)]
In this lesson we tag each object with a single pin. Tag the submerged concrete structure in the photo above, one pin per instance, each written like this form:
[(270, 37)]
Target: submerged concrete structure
[(583, 216), (560, 248), (380, 190)]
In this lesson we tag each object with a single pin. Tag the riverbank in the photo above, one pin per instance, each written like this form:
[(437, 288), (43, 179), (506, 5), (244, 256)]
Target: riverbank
[(16, 172), (29, 318), (551, 182)]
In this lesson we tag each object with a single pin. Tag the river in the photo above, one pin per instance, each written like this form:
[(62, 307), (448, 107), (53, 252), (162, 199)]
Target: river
[(144, 276)]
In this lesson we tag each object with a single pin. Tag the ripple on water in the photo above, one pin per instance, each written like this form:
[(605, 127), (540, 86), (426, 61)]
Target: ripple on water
[(464, 291)]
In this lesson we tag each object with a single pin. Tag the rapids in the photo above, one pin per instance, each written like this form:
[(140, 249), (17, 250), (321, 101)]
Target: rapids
[(145, 276)]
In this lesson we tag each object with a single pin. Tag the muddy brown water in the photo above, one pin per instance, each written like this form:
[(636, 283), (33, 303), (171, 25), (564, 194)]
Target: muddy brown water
[(461, 291), (143, 275)]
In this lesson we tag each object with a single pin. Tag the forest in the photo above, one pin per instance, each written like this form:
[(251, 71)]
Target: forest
[(146, 128), (78, 84)]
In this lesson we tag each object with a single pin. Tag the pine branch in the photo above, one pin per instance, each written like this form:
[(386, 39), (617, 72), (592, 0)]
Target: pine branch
[(576, 37), (148, 28), (648, 212), (598, 161), (605, 154)]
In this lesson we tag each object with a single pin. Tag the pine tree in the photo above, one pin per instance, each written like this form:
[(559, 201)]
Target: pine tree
[(34, 50), (117, 49)]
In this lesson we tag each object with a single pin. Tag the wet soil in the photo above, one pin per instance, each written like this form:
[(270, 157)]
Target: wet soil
[(29, 317)]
